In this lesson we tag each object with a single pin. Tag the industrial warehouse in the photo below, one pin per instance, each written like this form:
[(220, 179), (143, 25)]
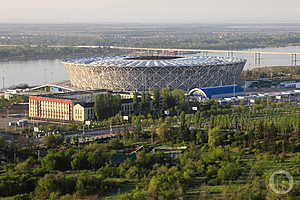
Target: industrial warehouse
[(142, 73)]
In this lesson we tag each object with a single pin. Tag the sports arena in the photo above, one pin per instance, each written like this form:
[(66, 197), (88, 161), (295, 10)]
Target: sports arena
[(141, 73)]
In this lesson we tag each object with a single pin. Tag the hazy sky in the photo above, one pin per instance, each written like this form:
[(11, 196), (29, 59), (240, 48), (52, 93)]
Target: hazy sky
[(149, 11)]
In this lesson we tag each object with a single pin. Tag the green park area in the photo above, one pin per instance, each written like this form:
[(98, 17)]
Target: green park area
[(212, 152)]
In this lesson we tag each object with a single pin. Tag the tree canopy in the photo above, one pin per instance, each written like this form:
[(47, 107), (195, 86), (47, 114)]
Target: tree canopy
[(107, 105)]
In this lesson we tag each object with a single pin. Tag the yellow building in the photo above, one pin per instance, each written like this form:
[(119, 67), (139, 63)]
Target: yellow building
[(67, 106), (50, 108), (83, 112)]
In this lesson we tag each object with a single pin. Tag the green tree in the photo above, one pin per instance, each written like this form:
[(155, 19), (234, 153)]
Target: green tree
[(228, 171), (53, 141), (27, 165), (213, 137), (135, 103), (57, 160), (57, 184), (156, 99), (107, 105), (179, 98), (145, 103), (79, 161), (138, 129), (167, 100), (87, 185), (166, 184), (115, 144), (164, 132), (183, 132), (97, 159)]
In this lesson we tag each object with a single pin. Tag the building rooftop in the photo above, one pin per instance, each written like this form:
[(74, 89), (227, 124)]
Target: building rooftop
[(83, 96), (155, 61), (227, 89), (87, 105), (73, 95), (209, 92)]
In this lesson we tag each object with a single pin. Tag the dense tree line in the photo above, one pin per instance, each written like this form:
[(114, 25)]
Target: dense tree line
[(107, 105), (42, 52)]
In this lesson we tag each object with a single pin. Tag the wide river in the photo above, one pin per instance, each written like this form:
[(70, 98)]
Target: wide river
[(49, 71)]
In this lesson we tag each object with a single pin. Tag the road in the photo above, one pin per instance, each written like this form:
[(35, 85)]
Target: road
[(100, 132)]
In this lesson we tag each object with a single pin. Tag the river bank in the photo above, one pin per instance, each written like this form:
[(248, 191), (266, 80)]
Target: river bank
[(42, 70), (30, 53)]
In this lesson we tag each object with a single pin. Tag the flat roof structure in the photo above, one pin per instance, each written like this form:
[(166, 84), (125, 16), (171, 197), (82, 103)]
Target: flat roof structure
[(87, 105), (75, 95)]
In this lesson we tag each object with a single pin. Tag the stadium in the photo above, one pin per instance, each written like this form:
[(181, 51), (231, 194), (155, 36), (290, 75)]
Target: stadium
[(141, 73)]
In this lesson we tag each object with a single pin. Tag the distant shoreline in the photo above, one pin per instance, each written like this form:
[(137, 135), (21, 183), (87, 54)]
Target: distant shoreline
[(93, 53)]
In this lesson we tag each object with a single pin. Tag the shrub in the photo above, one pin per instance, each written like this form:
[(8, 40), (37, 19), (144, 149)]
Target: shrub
[(211, 171), (52, 184), (86, 185), (228, 171), (213, 182)]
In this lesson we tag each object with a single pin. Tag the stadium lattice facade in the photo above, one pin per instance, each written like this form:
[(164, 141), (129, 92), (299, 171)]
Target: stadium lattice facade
[(153, 72)]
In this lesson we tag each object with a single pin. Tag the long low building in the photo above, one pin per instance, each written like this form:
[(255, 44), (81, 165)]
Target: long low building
[(71, 106)]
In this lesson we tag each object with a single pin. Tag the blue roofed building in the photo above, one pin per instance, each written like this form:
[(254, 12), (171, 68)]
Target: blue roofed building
[(216, 92)]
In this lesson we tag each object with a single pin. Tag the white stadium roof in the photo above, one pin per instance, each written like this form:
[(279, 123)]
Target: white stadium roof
[(156, 61)]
